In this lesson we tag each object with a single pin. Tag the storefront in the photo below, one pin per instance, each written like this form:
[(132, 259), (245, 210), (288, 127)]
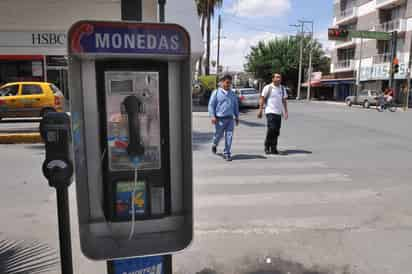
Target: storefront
[(21, 68), (34, 56), (376, 77)]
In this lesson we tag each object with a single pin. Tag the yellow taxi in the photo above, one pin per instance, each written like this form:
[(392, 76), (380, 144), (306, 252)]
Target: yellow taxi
[(29, 99)]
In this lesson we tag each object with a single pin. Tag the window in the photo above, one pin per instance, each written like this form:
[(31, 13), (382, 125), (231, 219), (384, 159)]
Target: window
[(249, 91), (31, 90), (55, 89), (9, 91)]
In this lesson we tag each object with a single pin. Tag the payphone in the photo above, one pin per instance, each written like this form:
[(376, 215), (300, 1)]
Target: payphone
[(131, 127)]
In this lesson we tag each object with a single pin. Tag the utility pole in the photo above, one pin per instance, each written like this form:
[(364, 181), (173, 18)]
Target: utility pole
[(219, 27), (310, 64), (358, 78), (301, 25), (300, 61), (408, 83), (309, 74), (393, 56)]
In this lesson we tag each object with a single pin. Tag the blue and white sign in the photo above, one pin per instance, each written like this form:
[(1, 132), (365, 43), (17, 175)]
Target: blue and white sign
[(145, 265), (381, 72), (128, 38)]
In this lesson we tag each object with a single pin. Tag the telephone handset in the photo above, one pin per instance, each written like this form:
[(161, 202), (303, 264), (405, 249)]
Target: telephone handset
[(136, 170), (133, 106)]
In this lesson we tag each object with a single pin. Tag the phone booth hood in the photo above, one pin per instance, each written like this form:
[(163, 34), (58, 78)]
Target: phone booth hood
[(140, 73)]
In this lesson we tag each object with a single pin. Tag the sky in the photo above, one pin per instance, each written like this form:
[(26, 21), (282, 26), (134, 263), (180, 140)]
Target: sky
[(245, 22)]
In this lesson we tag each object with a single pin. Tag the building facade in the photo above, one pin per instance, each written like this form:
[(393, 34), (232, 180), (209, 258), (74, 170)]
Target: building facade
[(369, 60), (33, 42)]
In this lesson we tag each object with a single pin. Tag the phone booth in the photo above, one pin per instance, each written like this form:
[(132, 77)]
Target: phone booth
[(130, 87)]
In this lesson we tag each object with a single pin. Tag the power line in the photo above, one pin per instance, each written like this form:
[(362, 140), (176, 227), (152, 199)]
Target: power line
[(248, 26)]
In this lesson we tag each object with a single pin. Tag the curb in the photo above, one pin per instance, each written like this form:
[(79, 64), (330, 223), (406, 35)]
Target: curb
[(21, 138), (332, 103)]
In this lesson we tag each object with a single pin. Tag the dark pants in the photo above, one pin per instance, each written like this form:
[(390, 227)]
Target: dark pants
[(274, 122)]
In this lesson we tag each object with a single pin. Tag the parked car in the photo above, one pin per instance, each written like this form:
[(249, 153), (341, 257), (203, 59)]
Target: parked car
[(366, 98), (29, 99), (248, 97)]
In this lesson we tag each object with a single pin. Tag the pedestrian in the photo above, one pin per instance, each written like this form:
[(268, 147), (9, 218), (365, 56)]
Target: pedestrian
[(273, 98), (224, 111)]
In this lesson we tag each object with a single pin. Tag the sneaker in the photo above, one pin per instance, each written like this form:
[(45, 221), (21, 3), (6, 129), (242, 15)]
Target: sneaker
[(267, 151), (228, 158), (214, 149)]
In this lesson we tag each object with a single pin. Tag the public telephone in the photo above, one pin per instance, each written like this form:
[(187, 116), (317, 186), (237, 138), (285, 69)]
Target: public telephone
[(134, 138), (130, 86)]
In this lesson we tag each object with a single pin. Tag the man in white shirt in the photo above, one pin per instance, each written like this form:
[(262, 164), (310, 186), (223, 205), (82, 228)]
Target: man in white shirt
[(274, 98)]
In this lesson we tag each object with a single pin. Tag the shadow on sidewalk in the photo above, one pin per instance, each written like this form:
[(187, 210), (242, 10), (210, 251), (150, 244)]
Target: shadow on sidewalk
[(247, 157), (239, 157), (295, 152), (201, 138), (251, 124), (27, 257)]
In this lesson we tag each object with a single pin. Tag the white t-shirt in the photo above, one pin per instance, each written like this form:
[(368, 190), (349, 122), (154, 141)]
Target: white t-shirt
[(274, 103)]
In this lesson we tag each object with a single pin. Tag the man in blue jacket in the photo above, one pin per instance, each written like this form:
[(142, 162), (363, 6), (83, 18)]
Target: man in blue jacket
[(224, 111)]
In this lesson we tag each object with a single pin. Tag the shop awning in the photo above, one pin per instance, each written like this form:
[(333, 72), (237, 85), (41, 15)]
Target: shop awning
[(338, 81), (312, 84), (21, 57), (330, 82)]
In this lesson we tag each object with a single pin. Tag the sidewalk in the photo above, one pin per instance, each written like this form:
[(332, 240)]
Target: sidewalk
[(326, 102)]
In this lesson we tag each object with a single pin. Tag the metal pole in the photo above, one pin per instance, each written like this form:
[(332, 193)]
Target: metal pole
[(310, 64), (393, 56), (131, 10), (162, 4), (309, 74), (219, 26), (408, 84), (358, 85), (63, 212), (300, 62)]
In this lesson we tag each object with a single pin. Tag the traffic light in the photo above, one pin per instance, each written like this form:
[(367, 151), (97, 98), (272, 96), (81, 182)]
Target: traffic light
[(395, 65), (338, 34)]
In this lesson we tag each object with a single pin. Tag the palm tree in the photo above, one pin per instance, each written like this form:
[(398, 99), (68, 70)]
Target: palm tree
[(201, 11), (206, 10)]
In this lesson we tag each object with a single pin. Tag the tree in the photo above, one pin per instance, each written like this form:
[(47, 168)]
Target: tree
[(206, 11), (202, 12), (282, 55)]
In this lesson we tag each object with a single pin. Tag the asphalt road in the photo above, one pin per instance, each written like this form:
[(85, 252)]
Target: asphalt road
[(338, 201)]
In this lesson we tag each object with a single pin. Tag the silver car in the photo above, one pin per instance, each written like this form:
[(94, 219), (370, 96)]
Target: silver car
[(366, 98), (248, 97)]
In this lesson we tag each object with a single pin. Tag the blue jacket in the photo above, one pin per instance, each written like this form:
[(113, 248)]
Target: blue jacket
[(223, 105)]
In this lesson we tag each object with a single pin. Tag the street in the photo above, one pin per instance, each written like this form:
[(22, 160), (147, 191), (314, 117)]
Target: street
[(336, 201)]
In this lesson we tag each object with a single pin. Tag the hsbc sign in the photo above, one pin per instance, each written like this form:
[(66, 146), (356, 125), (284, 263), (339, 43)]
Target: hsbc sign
[(33, 39), (49, 38)]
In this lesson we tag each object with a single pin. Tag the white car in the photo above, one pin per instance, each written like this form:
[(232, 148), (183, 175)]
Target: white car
[(248, 97)]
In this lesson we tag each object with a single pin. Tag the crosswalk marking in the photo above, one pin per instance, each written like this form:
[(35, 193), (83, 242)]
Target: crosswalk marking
[(272, 178), (283, 198), (297, 191)]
